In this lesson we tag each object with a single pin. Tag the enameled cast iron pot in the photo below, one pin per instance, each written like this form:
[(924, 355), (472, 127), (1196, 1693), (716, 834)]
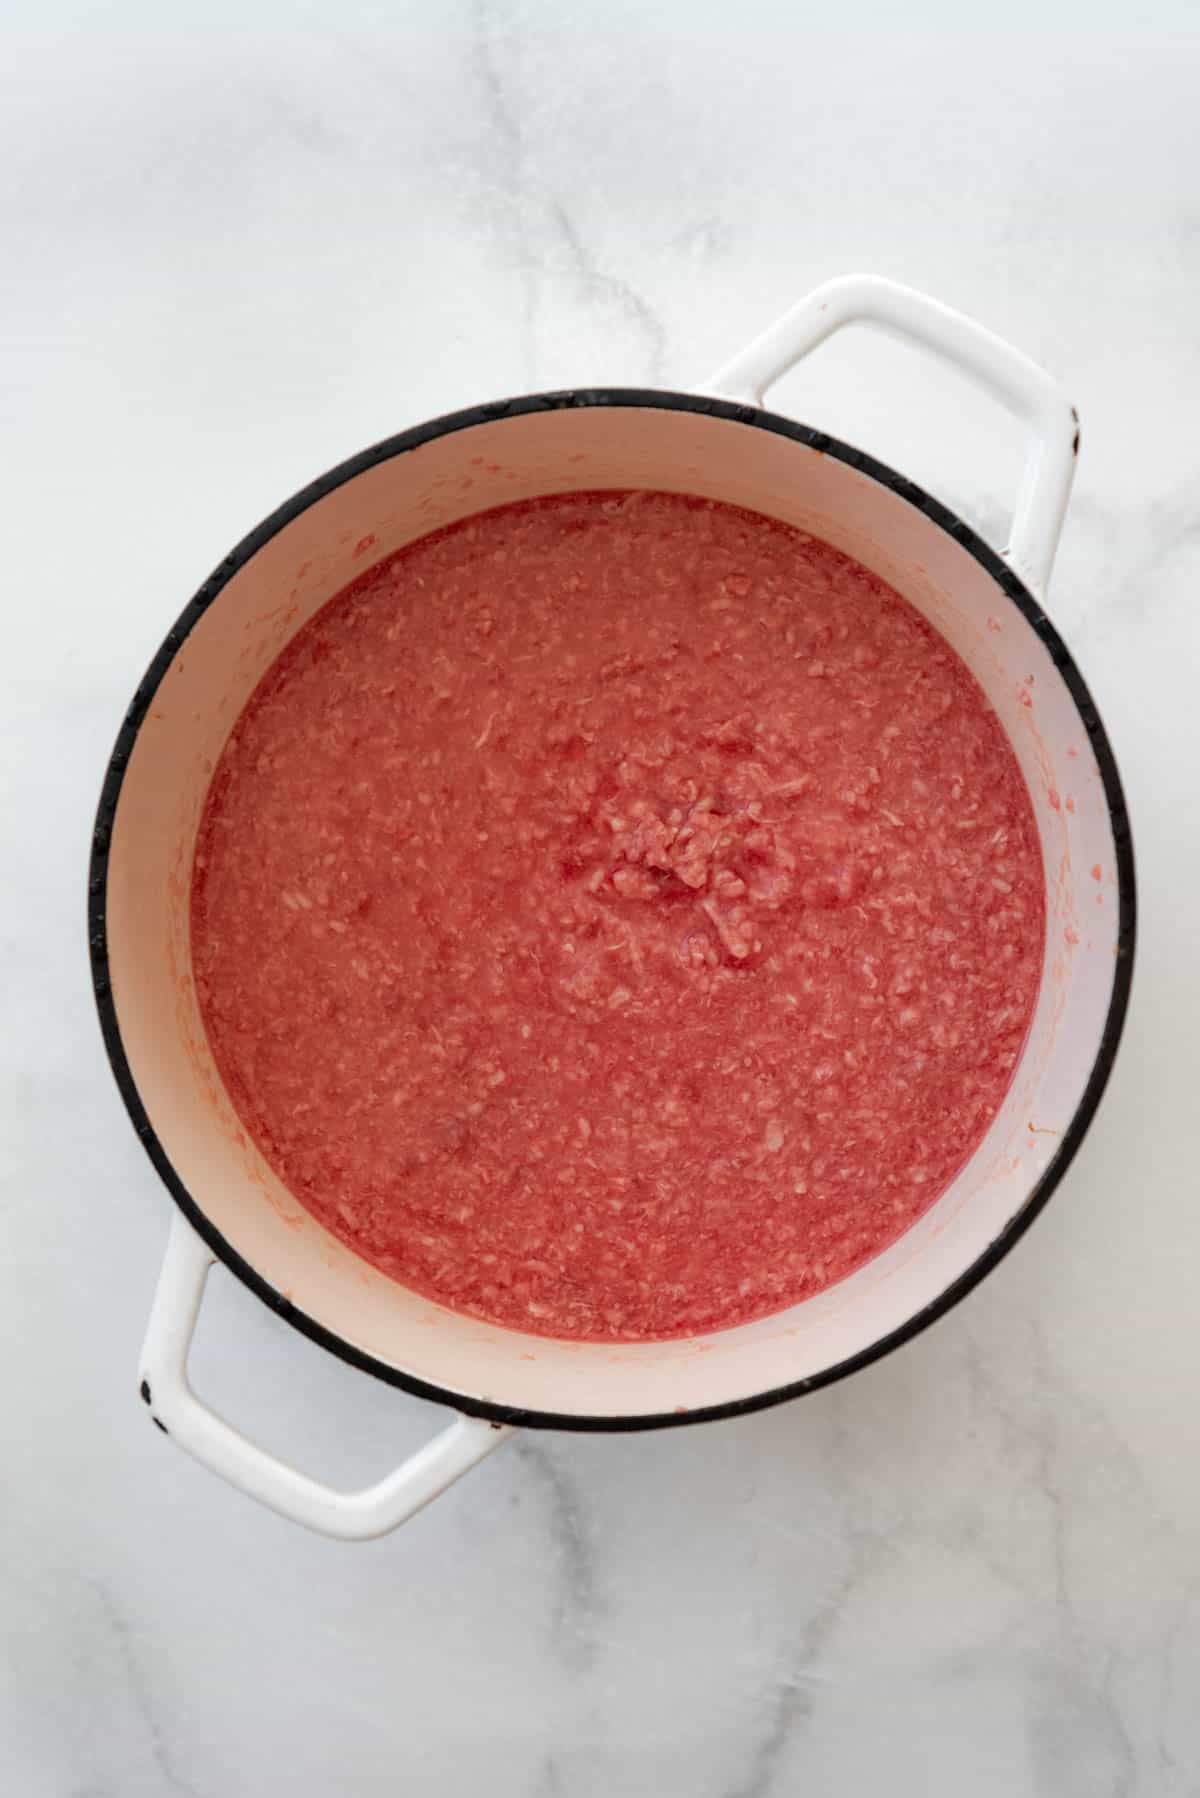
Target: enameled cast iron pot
[(719, 443)]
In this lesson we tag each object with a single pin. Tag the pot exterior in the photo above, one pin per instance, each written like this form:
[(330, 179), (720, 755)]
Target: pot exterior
[(365, 510)]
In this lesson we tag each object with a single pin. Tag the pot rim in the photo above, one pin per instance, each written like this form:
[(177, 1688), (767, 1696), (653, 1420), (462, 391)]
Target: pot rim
[(654, 399)]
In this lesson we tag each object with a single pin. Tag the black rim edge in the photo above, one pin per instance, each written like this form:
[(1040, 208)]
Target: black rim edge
[(654, 400)]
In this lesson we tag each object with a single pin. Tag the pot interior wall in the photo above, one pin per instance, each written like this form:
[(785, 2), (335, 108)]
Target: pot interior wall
[(281, 586)]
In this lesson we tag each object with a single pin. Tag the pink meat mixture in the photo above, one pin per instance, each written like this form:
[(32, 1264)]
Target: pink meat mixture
[(618, 916)]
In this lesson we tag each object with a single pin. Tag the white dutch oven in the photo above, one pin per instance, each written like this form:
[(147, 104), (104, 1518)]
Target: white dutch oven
[(229, 1203)]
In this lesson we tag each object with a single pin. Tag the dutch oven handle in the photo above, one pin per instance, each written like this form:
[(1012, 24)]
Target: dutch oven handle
[(349, 1516), (1019, 384)]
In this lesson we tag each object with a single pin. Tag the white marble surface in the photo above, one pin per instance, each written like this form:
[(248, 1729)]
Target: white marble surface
[(236, 246)]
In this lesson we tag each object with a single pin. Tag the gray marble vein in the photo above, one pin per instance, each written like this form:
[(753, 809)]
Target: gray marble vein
[(550, 1781), (124, 1646), (576, 1605), (796, 1693), (1078, 1742), (602, 291), (504, 152), (539, 230)]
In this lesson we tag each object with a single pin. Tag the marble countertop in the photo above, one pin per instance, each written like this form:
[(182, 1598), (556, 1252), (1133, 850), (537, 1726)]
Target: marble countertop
[(237, 248)]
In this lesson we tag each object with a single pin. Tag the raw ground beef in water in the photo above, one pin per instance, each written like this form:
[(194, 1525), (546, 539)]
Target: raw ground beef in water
[(617, 916)]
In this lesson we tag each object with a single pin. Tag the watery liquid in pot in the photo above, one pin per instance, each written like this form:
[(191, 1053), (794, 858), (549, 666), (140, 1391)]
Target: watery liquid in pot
[(617, 916)]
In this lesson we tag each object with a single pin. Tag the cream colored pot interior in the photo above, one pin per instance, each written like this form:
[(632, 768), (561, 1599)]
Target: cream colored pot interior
[(272, 596)]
